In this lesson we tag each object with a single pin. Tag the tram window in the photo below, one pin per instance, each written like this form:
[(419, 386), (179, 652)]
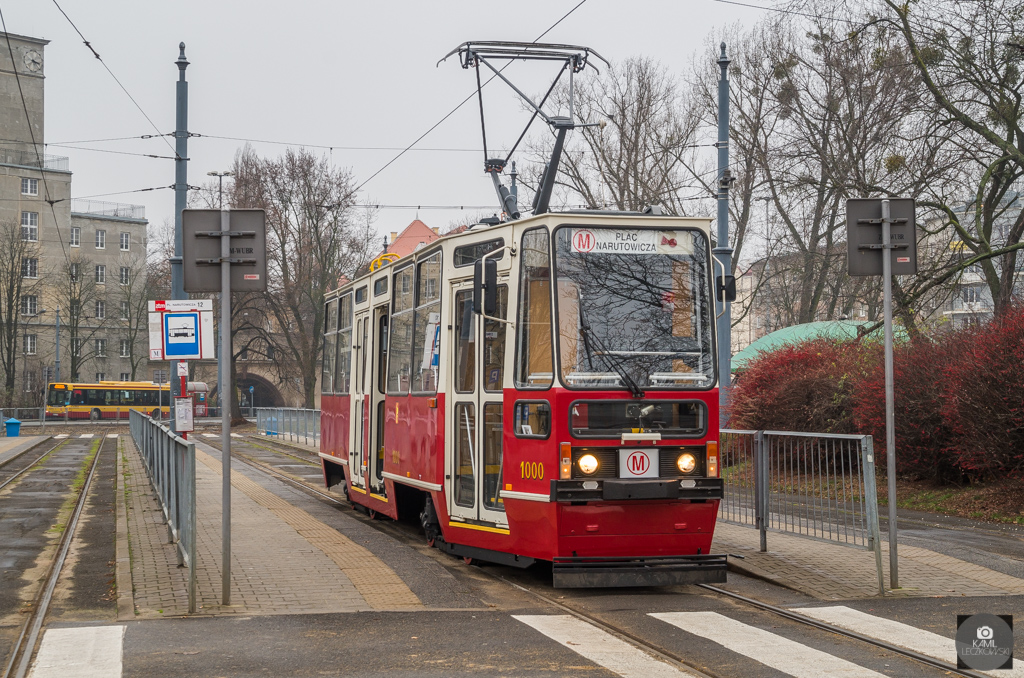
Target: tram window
[(492, 457), (609, 418), (467, 255), (465, 341), (534, 361), (465, 480), (494, 344), (427, 333), (361, 294), (532, 420), (382, 349), (343, 369), (380, 287), (400, 344), (330, 341)]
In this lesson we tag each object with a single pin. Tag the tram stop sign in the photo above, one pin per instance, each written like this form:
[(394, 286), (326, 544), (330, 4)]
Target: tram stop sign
[(200, 249), (864, 236)]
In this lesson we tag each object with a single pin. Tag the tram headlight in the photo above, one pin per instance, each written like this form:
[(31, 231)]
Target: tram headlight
[(686, 462), (588, 464)]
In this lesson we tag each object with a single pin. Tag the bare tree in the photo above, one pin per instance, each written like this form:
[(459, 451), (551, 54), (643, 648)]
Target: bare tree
[(15, 284), (77, 290), (135, 289), (313, 239)]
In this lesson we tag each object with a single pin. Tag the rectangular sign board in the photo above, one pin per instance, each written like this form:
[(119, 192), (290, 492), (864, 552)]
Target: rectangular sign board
[(864, 236), (181, 330), (199, 249), (183, 419)]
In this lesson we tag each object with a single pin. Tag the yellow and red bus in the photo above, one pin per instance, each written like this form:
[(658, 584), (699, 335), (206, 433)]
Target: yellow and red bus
[(107, 399)]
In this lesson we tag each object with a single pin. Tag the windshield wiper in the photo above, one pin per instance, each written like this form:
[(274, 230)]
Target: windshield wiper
[(590, 336)]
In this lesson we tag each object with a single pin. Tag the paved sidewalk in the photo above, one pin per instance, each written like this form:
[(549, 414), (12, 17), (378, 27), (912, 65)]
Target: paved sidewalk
[(283, 559), (833, 572), (11, 447)]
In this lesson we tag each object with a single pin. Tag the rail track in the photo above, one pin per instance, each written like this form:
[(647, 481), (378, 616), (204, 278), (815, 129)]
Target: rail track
[(24, 647), (409, 534)]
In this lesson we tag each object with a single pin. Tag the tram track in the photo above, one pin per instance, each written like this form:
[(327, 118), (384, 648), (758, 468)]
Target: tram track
[(408, 534), (21, 456), (25, 645)]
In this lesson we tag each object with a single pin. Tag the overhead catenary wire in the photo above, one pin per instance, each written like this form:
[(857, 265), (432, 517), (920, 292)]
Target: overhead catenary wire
[(119, 84), (461, 103), (107, 150)]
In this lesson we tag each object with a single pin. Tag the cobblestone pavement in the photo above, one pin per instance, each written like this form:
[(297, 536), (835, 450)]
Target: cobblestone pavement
[(283, 559), (833, 572)]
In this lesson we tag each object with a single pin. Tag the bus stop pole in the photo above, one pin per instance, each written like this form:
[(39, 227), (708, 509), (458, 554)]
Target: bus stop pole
[(224, 387)]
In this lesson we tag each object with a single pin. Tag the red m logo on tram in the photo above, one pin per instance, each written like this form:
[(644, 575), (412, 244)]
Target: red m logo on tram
[(637, 463), (583, 241)]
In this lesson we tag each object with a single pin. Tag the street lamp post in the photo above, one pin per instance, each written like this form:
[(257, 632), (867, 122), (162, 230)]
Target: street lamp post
[(220, 184)]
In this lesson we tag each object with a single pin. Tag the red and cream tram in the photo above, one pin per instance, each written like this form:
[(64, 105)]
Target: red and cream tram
[(543, 389)]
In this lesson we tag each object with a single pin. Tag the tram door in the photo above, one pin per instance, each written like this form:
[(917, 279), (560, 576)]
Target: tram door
[(375, 338), (357, 445), (474, 479)]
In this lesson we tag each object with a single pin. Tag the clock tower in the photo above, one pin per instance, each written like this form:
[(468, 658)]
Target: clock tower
[(26, 69)]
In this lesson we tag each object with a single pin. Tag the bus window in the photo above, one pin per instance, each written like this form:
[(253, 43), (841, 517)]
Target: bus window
[(534, 362), (77, 397)]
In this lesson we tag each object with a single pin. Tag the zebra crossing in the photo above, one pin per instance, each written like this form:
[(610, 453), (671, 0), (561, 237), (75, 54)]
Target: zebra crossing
[(765, 647)]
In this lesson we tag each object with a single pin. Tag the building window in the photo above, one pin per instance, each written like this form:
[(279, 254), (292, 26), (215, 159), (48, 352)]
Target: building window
[(101, 273), (101, 348), (125, 273), (75, 308), (73, 272), (30, 380), (101, 310), (244, 355), (100, 376), (126, 241), (124, 310), (270, 352), (126, 348), (126, 376), (29, 304), (971, 295), (101, 239), (29, 186), (76, 347), (30, 268), (29, 344), (30, 226), (76, 236)]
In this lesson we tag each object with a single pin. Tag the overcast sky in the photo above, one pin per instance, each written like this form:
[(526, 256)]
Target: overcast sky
[(333, 74)]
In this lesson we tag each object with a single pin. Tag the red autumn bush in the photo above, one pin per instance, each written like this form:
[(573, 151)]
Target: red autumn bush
[(923, 429), (984, 397), (802, 387)]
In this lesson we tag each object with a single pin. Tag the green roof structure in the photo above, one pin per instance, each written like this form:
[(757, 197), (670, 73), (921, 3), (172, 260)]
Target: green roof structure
[(795, 334)]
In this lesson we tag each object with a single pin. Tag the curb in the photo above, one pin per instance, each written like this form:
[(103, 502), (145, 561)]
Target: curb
[(123, 570)]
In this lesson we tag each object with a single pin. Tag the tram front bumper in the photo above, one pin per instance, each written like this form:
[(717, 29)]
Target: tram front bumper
[(616, 489), (583, 572)]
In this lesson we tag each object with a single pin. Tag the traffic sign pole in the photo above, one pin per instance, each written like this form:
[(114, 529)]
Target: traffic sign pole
[(890, 433), (224, 386)]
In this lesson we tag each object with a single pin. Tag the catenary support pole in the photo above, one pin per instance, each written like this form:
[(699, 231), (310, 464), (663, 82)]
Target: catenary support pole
[(224, 389), (57, 339), (722, 252), (180, 194), (890, 433)]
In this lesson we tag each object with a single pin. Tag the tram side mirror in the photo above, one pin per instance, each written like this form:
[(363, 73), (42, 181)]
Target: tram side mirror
[(725, 290), (485, 286)]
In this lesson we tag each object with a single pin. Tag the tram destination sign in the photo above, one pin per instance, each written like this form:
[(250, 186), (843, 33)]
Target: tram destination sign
[(201, 250), (630, 241), (864, 236)]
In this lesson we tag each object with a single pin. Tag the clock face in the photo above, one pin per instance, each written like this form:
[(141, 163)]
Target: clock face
[(33, 61)]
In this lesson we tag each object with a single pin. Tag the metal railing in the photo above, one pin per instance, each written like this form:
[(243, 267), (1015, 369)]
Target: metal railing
[(108, 209), (294, 424), (170, 462), (812, 484), (29, 158)]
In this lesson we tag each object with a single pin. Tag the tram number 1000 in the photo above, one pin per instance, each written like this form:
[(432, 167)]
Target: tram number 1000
[(531, 470)]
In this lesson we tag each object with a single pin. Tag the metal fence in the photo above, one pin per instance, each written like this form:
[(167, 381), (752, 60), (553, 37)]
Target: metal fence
[(170, 462), (812, 484), (29, 158), (290, 423)]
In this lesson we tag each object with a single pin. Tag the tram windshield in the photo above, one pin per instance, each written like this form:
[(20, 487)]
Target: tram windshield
[(634, 309)]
